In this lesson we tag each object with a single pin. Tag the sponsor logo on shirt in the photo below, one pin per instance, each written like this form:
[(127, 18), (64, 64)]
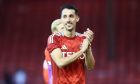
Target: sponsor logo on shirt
[(64, 47), (66, 54)]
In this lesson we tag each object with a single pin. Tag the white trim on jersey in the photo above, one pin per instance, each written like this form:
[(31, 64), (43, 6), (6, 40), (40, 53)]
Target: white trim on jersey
[(51, 40)]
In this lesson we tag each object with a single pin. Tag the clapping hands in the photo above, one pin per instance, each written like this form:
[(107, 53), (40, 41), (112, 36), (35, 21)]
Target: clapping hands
[(87, 41)]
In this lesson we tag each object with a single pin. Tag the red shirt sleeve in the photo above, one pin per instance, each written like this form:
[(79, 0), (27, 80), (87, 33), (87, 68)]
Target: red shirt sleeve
[(47, 55), (53, 42)]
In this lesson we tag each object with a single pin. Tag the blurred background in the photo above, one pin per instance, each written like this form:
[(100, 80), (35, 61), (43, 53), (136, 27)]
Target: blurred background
[(25, 26)]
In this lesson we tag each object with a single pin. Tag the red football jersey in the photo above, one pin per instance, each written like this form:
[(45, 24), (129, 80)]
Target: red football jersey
[(73, 73)]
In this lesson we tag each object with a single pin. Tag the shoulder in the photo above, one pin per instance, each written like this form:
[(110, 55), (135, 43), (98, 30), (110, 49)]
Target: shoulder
[(54, 37), (80, 35), (57, 34)]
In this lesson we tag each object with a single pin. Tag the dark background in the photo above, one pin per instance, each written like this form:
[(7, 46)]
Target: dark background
[(25, 26)]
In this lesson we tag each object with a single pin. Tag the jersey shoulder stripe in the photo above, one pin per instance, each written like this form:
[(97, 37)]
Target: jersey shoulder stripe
[(51, 37)]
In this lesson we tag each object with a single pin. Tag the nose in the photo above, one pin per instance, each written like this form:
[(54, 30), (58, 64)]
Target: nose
[(67, 19)]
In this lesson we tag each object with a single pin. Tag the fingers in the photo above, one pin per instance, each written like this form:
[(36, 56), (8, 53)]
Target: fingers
[(90, 31), (89, 34)]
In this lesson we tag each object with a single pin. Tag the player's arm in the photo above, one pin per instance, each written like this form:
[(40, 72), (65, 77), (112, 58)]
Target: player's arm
[(89, 58), (61, 61)]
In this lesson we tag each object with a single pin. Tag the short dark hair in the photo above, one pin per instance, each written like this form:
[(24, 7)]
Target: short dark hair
[(69, 6)]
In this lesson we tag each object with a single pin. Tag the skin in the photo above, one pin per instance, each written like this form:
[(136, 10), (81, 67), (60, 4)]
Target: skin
[(57, 26), (69, 19)]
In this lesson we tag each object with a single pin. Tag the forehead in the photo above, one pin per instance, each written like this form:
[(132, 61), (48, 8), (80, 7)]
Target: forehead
[(68, 11)]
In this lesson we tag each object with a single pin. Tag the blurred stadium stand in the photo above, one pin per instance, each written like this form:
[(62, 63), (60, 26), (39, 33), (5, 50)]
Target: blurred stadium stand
[(25, 26)]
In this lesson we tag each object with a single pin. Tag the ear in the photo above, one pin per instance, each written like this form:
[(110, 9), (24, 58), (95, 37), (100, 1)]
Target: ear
[(78, 18)]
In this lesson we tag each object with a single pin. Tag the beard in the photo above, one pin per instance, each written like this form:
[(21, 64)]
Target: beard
[(69, 26)]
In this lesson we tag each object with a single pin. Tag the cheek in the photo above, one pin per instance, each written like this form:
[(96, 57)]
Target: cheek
[(74, 21), (63, 20)]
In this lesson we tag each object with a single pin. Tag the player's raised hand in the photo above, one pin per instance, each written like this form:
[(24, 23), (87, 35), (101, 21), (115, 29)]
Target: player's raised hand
[(89, 34)]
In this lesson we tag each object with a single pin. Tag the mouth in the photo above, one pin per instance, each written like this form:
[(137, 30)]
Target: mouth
[(68, 24)]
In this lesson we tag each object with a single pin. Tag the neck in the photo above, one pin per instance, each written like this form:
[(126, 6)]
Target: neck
[(69, 33)]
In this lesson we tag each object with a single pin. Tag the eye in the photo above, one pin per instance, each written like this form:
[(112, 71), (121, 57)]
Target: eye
[(64, 16), (71, 16)]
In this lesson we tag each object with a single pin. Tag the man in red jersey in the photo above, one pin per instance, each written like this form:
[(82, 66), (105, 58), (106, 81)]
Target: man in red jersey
[(67, 49), (56, 26)]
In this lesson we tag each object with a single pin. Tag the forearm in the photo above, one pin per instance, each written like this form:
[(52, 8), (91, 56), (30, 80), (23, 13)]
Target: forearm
[(63, 61), (89, 60), (71, 58)]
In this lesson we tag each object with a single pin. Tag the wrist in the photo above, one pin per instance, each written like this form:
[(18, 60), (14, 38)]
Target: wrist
[(89, 47), (82, 51)]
